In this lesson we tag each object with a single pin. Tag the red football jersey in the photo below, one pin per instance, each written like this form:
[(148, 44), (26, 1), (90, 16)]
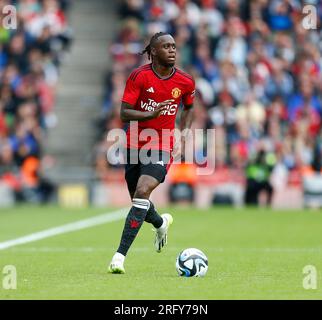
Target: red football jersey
[(144, 91)]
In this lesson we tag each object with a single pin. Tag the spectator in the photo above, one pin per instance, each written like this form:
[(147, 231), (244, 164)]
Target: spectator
[(258, 175), (232, 46)]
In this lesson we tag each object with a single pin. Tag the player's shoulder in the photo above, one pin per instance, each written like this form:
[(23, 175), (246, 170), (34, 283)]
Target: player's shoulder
[(139, 71), (185, 76)]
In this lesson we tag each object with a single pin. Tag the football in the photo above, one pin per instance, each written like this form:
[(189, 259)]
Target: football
[(192, 262)]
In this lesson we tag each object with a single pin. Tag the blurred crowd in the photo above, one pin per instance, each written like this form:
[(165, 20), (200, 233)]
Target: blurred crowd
[(258, 74), (30, 56)]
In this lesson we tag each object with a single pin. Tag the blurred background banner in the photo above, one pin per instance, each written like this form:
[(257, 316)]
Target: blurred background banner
[(258, 73)]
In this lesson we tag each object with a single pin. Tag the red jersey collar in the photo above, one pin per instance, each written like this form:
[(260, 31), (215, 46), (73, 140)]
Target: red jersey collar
[(170, 76)]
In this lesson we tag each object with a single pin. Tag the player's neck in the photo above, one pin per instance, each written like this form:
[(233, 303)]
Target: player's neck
[(162, 71)]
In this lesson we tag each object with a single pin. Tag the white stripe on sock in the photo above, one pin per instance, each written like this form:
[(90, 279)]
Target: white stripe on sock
[(140, 206), (141, 203)]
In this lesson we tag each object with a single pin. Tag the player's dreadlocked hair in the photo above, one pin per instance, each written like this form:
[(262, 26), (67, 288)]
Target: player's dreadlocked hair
[(153, 40)]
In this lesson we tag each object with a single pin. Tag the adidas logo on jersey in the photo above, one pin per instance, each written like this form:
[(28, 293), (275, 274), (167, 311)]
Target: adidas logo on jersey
[(150, 90)]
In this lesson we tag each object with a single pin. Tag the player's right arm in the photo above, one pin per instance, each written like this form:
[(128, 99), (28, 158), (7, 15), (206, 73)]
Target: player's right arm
[(128, 113), (132, 93)]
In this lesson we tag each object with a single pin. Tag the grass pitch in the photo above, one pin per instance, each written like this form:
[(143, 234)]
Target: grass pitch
[(252, 253)]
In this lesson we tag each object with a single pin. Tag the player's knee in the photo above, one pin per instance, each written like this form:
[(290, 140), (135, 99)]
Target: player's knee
[(143, 191)]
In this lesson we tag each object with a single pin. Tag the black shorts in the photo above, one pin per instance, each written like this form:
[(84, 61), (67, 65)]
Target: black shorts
[(154, 163)]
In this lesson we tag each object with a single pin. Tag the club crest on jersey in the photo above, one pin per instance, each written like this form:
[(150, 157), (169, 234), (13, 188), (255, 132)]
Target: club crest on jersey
[(176, 92)]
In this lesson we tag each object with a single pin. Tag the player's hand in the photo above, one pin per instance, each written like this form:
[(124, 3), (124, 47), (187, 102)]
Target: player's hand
[(178, 152), (161, 107)]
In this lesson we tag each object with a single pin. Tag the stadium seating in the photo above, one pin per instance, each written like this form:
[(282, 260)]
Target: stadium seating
[(30, 57), (257, 72)]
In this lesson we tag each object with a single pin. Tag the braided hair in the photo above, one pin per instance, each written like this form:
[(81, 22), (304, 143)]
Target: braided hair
[(152, 42)]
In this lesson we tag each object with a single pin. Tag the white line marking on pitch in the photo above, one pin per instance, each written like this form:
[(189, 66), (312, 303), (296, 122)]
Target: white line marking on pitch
[(74, 226)]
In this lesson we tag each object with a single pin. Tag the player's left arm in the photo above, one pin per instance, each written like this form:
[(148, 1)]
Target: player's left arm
[(184, 124), (187, 111), (186, 118)]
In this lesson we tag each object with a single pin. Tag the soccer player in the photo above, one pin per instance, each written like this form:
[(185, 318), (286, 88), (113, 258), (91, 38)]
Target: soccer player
[(151, 99)]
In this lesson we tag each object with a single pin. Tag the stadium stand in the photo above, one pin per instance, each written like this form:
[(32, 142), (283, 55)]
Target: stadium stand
[(258, 79), (258, 76), (30, 58)]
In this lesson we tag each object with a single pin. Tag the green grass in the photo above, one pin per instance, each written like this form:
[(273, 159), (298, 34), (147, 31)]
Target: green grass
[(253, 254)]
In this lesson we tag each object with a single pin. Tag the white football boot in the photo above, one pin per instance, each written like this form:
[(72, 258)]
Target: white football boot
[(117, 264), (161, 234)]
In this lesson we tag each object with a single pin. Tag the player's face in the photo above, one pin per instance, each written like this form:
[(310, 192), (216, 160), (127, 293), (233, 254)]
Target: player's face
[(165, 51)]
